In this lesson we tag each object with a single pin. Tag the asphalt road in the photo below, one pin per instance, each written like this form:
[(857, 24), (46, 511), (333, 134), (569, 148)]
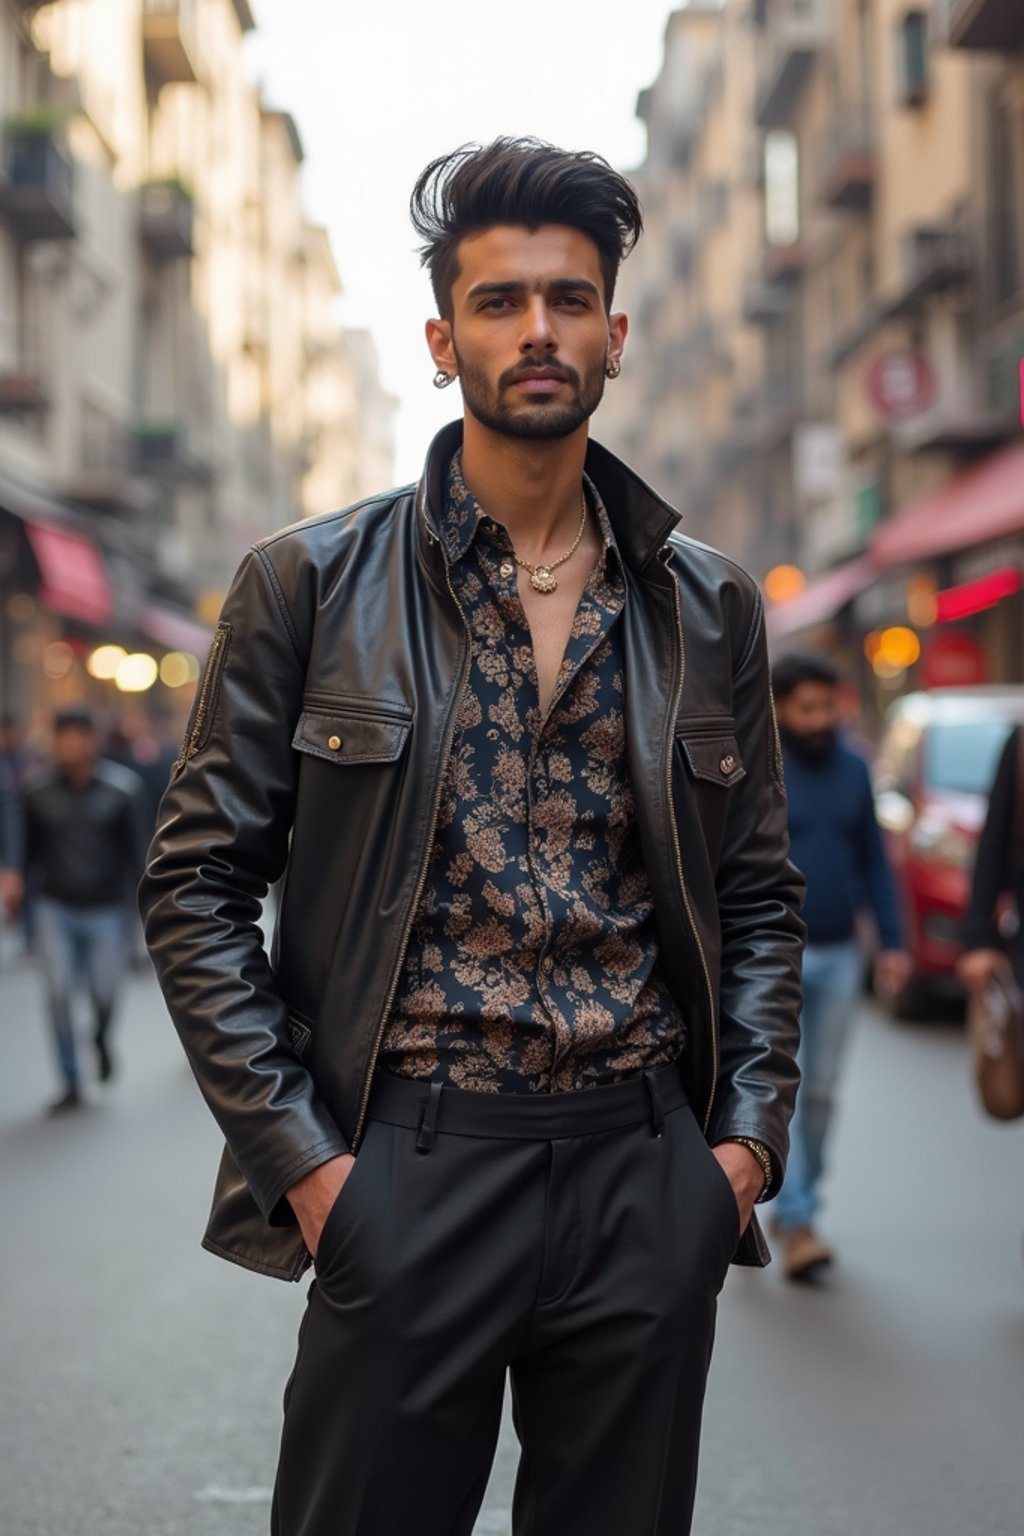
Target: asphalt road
[(140, 1379)]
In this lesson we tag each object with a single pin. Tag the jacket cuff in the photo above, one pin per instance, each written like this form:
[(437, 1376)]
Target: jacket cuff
[(272, 1200)]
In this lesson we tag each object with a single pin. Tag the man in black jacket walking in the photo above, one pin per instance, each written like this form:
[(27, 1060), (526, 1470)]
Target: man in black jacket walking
[(85, 838), (523, 1058)]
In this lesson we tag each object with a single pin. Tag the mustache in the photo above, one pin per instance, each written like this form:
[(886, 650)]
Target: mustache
[(528, 370)]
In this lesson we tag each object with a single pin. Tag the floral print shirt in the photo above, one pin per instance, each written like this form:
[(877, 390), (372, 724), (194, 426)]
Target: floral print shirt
[(532, 964)]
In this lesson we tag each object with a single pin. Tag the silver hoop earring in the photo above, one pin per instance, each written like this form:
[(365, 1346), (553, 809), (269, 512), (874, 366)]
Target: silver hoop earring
[(442, 379), (612, 371)]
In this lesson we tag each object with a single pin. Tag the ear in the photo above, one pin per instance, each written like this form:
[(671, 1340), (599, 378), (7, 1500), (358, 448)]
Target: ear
[(439, 340), (618, 327)]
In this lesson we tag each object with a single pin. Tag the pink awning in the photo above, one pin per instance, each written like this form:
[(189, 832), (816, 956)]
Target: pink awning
[(72, 577), (982, 505), (821, 599)]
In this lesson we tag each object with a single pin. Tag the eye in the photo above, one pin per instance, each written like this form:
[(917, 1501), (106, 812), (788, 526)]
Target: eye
[(500, 301), (574, 301)]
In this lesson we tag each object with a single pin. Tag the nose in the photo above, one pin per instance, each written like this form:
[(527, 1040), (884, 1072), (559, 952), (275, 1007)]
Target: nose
[(537, 333)]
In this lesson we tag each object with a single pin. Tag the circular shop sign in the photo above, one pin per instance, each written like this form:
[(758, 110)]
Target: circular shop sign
[(900, 384)]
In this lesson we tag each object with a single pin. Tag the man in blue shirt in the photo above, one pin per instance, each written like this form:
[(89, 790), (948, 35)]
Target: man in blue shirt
[(837, 846)]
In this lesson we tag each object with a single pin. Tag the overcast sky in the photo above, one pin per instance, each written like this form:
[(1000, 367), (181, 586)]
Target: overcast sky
[(380, 87)]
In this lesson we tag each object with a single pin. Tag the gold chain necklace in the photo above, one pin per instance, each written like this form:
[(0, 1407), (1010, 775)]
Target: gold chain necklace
[(541, 579)]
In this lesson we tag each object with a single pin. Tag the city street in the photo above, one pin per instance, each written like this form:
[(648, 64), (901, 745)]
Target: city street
[(142, 1377)]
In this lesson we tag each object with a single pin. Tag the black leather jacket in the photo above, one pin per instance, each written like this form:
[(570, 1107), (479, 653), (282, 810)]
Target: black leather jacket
[(315, 752)]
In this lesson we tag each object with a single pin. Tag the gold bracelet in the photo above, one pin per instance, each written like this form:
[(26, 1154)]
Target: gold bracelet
[(763, 1156)]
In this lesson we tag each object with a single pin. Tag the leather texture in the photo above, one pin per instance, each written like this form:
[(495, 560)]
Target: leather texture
[(314, 758)]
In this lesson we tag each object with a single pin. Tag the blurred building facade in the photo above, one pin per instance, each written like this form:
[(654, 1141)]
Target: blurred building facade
[(174, 382), (828, 316)]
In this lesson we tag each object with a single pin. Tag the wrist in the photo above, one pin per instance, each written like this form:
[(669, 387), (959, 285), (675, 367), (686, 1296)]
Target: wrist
[(761, 1155)]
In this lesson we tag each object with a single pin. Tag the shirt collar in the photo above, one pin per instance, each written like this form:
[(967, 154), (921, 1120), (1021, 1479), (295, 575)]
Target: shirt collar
[(464, 516)]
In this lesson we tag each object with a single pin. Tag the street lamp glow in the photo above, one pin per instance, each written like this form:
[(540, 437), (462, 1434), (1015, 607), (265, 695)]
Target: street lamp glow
[(104, 661), (137, 673), (178, 668), (783, 583)]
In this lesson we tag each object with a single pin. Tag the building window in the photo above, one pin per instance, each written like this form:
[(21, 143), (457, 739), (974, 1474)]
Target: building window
[(1006, 194), (781, 188), (912, 59)]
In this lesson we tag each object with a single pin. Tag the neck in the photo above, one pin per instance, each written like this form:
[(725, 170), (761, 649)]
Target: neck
[(534, 488)]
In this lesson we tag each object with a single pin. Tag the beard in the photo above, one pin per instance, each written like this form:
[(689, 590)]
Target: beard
[(535, 420), (811, 747)]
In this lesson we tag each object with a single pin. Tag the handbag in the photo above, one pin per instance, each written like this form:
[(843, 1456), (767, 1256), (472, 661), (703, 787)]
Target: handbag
[(995, 1024), (995, 1016)]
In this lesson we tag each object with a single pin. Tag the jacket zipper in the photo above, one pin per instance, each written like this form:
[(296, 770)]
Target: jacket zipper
[(424, 867), (679, 855), (210, 671)]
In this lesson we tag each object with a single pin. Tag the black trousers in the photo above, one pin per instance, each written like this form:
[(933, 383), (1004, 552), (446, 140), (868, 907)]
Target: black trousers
[(577, 1241)]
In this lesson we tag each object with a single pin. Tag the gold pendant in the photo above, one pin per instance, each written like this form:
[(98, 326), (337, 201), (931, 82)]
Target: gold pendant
[(541, 580)]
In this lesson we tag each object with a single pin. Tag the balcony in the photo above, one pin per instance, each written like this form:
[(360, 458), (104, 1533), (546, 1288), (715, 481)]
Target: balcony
[(784, 263), (764, 302), (935, 258), (166, 214), (37, 192), (847, 169), (992, 24), (794, 32), (165, 451), (102, 476), (23, 390), (169, 42)]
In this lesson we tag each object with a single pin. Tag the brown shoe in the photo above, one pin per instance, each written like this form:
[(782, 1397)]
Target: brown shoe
[(804, 1255)]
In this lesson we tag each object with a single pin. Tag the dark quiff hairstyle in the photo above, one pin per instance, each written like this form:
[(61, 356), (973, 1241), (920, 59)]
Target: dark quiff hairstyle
[(789, 672), (522, 182)]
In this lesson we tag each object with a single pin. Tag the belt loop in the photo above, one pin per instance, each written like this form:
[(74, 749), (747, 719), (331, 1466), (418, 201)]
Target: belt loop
[(657, 1108), (428, 1119)]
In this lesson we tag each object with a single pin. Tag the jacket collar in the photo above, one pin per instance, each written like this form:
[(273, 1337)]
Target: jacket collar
[(640, 519)]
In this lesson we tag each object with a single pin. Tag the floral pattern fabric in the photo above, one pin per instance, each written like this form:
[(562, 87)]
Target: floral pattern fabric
[(533, 960)]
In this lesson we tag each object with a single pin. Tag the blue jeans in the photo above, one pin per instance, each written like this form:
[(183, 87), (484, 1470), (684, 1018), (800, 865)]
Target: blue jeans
[(832, 981), (77, 944)]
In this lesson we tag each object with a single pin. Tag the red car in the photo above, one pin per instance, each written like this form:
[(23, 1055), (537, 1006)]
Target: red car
[(934, 769)]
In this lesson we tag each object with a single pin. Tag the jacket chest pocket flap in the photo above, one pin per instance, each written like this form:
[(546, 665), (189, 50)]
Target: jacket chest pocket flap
[(347, 735), (711, 750)]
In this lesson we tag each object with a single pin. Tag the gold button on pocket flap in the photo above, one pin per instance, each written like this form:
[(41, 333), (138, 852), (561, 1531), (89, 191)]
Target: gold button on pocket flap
[(337, 736), (714, 758)]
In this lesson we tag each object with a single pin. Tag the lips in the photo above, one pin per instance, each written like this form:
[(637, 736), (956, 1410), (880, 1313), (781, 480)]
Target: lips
[(541, 382)]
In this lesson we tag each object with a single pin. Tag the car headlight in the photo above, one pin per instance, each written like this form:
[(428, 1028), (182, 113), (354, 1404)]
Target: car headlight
[(942, 844)]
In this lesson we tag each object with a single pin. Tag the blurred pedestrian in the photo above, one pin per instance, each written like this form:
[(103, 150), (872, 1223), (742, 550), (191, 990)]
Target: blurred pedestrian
[(837, 846), (998, 872), (85, 836), (11, 846), (511, 1084)]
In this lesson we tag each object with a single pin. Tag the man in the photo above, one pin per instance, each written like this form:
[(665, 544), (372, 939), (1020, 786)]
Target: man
[(538, 935), (998, 871), (85, 834), (11, 883), (837, 846)]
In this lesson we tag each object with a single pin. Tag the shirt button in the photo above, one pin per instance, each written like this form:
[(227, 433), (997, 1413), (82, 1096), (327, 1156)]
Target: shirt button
[(506, 569), (728, 765), (334, 742)]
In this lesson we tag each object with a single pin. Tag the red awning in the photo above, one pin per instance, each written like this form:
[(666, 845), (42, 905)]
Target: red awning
[(985, 504), (73, 578), (821, 599), (175, 631)]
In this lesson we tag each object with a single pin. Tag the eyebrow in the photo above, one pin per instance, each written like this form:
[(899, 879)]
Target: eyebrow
[(557, 285)]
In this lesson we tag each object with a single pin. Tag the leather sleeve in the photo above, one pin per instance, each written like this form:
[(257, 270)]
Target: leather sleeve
[(221, 842), (759, 898)]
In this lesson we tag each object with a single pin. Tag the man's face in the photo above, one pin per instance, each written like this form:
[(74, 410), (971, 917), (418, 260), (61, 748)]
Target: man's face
[(529, 336), (810, 716), (74, 749)]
